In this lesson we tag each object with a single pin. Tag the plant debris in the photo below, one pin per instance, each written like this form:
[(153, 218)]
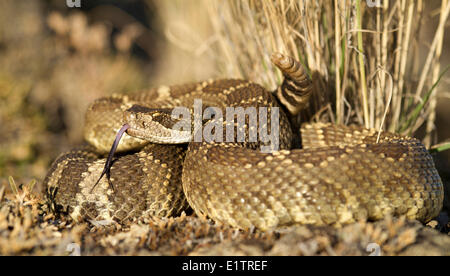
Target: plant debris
[(27, 227)]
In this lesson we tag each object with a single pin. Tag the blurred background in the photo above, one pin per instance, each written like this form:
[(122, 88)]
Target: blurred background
[(55, 60)]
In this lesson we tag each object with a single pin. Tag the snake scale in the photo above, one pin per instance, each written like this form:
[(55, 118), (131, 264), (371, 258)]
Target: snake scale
[(341, 174)]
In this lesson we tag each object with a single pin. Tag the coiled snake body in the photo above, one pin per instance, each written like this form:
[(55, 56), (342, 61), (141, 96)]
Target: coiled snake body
[(340, 175)]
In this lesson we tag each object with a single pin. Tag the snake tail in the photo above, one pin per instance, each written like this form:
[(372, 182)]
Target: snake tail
[(296, 89)]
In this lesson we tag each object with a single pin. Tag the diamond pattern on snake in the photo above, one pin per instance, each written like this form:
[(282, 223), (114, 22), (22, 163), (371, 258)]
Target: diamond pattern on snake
[(338, 175)]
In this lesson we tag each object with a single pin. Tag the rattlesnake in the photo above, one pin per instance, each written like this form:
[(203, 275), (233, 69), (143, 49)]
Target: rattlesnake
[(340, 175)]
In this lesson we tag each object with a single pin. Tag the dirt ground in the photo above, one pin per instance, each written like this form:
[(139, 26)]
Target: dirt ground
[(27, 227)]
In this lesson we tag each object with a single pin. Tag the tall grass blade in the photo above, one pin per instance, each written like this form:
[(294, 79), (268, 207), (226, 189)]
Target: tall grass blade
[(415, 114)]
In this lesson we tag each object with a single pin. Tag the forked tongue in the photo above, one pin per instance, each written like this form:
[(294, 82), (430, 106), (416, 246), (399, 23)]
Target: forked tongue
[(108, 163)]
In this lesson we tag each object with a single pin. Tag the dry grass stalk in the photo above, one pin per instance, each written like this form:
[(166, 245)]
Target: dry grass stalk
[(361, 68), (436, 69)]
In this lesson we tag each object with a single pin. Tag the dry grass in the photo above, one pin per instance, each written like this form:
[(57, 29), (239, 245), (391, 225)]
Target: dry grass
[(360, 57), (27, 227)]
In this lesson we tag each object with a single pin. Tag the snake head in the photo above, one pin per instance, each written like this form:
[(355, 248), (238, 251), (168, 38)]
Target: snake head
[(150, 124), (156, 125)]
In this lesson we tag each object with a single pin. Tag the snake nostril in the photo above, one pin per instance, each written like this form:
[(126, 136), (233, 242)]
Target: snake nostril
[(129, 117)]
